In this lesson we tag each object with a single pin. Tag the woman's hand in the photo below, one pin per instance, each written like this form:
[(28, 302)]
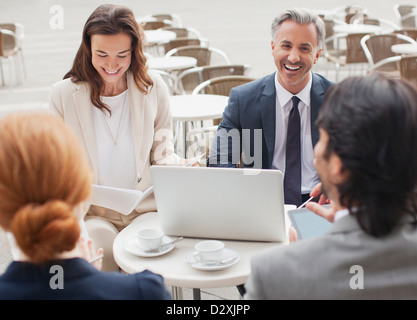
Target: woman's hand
[(89, 253)]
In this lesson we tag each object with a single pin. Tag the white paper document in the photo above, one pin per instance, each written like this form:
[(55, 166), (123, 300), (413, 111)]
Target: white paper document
[(118, 199)]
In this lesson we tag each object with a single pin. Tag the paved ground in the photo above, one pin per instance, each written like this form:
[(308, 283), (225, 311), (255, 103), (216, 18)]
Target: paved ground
[(238, 27)]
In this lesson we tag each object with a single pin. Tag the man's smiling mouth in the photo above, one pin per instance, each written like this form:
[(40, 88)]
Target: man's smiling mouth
[(292, 68)]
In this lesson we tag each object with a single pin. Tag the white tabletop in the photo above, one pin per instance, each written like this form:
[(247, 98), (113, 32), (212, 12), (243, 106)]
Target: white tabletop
[(158, 36), (356, 28), (197, 107), (171, 63), (174, 269), (404, 48)]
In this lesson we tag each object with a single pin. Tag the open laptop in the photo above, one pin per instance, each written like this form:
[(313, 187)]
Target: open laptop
[(220, 203)]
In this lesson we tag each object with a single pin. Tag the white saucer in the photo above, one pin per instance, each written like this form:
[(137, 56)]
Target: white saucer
[(227, 254), (131, 245)]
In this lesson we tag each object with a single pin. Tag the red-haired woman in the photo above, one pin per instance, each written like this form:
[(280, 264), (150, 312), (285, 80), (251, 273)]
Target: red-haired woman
[(44, 182)]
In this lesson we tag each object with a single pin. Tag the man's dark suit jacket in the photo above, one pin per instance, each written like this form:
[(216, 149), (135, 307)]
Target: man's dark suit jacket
[(24, 281), (250, 107)]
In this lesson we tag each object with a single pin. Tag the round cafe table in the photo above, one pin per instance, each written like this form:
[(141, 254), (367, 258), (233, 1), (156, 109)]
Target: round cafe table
[(197, 107), (356, 28), (404, 48), (159, 36), (172, 265), (171, 63)]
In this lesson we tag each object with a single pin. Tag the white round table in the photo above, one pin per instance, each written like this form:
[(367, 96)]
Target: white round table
[(197, 107), (172, 266), (159, 36), (404, 48), (171, 63), (356, 28)]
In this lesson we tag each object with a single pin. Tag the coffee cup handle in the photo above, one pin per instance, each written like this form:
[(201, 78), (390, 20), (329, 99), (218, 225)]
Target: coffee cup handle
[(196, 256)]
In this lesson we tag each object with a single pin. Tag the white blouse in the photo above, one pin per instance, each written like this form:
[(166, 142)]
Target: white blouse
[(116, 158)]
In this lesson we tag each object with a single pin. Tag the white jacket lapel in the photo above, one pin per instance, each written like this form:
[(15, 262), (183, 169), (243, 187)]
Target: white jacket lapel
[(82, 104)]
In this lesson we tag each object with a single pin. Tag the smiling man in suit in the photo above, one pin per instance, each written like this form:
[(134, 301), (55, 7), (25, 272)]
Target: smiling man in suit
[(259, 114)]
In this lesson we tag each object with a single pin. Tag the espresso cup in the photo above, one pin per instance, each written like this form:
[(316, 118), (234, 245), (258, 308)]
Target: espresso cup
[(209, 251), (150, 239)]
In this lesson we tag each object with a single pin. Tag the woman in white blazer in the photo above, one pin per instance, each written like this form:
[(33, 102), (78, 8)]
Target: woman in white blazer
[(120, 112)]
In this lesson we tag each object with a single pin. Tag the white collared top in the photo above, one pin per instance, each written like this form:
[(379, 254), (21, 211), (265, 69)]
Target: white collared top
[(309, 176)]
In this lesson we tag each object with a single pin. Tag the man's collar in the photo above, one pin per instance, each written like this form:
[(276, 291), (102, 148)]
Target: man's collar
[(284, 95)]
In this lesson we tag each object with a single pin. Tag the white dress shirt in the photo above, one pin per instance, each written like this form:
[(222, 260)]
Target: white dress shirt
[(309, 177)]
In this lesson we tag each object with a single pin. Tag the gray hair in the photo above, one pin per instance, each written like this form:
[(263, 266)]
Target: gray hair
[(301, 16)]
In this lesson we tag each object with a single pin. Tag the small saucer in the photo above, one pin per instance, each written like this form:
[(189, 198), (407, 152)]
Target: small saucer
[(131, 245), (210, 266)]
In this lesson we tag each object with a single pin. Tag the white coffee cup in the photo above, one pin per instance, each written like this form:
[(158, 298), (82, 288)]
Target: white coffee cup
[(150, 239), (209, 251)]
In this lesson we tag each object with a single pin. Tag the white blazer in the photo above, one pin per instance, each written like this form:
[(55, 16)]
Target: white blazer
[(151, 126)]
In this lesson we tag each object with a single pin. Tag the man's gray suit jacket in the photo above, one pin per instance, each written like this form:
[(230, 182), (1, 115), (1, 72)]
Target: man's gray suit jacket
[(344, 263)]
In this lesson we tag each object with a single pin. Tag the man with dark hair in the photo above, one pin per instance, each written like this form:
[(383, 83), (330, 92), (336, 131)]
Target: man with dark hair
[(366, 159), (269, 123)]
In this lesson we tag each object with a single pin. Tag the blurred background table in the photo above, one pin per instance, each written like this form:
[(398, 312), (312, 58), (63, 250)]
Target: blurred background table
[(404, 48), (159, 36), (171, 63)]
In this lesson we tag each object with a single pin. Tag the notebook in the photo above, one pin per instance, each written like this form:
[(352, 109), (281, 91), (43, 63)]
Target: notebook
[(118, 199), (307, 223), (220, 203)]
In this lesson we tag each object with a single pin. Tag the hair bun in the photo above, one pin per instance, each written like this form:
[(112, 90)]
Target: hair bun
[(44, 230)]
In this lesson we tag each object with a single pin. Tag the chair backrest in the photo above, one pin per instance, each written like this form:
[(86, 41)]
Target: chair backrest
[(354, 51), (180, 42), (202, 54), (2, 54), (8, 43), (169, 80), (210, 72), (182, 32), (377, 47), (329, 25), (189, 79), (17, 28), (355, 14), (371, 21), (154, 25), (221, 85), (408, 68), (410, 32), (179, 31), (174, 18), (406, 15)]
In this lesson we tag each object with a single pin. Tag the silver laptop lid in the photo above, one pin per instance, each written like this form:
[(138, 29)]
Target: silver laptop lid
[(221, 203)]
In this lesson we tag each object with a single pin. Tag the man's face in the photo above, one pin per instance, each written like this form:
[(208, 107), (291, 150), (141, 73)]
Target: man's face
[(322, 163), (295, 52)]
